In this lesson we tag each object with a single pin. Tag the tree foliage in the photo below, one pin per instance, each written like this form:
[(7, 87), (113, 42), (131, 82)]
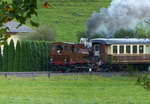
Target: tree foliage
[(11, 55), (5, 57), (122, 33), (20, 10), (27, 56), (0, 60)]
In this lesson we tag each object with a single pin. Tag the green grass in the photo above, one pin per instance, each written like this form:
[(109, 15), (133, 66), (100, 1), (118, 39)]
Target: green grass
[(72, 90), (68, 16)]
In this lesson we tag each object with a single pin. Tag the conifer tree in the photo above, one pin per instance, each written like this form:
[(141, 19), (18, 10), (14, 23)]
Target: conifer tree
[(42, 59), (11, 56), (47, 55), (5, 57), (17, 62), (33, 56), (23, 58), (0, 60), (29, 56), (38, 53)]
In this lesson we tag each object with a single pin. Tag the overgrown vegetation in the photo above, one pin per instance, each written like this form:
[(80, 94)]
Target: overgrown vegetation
[(144, 81)]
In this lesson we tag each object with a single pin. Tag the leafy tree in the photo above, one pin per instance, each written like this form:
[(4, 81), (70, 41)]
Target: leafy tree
[(142, 32), (80, 34), (20, 10), (96, 35), (11, 56), (122, 33)]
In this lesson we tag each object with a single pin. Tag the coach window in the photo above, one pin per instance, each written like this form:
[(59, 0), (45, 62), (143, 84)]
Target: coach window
[(115, 49), (141, 49), (134, 49), (128, 49), (147, 49), (121, 49)]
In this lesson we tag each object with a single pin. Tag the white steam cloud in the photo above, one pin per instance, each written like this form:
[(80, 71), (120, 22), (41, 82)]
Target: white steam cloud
[(121, 14)]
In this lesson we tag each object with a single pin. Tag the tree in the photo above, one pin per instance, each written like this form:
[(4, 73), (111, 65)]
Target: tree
[(47, 55), (20, 10), (23, 56), (0, 59), (17, 62), (80, 34), (11, 56), (5, 57), (122, 33)]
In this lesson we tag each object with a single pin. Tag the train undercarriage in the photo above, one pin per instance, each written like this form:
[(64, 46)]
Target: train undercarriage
[(73, 68)]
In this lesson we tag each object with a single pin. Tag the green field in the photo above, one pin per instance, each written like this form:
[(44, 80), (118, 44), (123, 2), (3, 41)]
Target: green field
[(72, 90), (68, 16)]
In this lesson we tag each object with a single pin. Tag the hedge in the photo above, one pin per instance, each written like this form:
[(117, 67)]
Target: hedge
[(27, 56)]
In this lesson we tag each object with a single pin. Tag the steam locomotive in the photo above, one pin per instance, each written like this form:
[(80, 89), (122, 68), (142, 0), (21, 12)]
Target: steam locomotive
[(100, 54)]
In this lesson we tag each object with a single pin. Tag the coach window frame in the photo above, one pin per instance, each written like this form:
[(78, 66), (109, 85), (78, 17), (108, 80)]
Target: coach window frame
[(141, 52), (134, 50), (128, 49), (121, 47), (115, 51)]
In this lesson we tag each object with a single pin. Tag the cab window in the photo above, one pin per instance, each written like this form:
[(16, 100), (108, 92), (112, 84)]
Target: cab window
[(59, 49), (73, 48), (96, 47), (53, 48), (65, 48)]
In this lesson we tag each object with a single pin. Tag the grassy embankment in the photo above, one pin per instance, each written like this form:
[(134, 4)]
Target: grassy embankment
[(68, 16), (72, 90)]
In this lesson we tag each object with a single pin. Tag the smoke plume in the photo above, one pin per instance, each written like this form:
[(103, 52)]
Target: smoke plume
[(121, 14)]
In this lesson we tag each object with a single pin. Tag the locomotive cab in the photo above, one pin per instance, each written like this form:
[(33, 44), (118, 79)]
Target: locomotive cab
[(68, 55)]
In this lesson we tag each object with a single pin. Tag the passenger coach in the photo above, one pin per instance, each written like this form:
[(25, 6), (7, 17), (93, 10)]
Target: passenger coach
[(121, 50)]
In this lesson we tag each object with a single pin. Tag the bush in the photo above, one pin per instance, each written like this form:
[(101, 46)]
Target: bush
[(46, 33)]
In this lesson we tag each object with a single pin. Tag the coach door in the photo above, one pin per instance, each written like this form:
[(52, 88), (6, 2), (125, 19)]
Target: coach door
[(96, 50)]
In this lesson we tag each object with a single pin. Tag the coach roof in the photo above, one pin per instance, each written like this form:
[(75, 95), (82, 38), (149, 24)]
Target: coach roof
[(121, 41)]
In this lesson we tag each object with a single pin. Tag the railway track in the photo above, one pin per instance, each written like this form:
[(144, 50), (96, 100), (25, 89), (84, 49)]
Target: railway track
[(34, 74)]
